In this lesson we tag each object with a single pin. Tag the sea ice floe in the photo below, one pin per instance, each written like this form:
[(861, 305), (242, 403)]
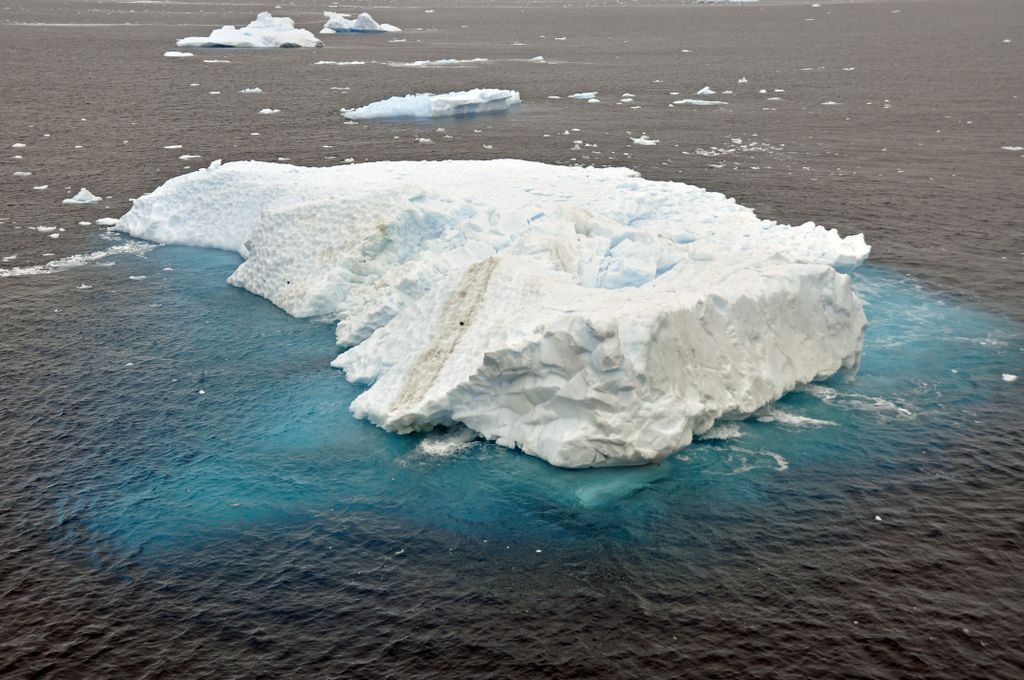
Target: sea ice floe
[(425, 63), (437, 105), (587, 316), (1005, 148), (1009, 377), (705, 91), (21, 173), (83, 197), (583, 95), (264, 31), (132, 248), (700, 102), (173, 53), (644, 140), (364, 23), (269, 111), (251, 90)]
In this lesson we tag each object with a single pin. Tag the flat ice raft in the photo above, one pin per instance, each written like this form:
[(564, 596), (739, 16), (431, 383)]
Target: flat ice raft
[(426, 105), (265, 31), (587, 316)]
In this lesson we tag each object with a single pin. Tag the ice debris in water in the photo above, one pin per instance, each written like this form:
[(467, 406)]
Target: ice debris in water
[(1009, 377), (269, 111), (705, 91), (83, 197), (700, 102), (251, 90), (644, 140), (264, 31), (364, 23), (583, 95), (174, 53), (585, 315), (436, 105)]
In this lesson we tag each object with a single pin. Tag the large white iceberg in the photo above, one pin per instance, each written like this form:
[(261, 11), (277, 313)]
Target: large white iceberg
[(429, 105), (364, 23), (587, 316), (265, 31)]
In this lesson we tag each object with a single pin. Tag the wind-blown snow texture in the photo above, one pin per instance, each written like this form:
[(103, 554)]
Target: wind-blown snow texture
[(364, 23), (265, 31), (587, 316), (427, 105)]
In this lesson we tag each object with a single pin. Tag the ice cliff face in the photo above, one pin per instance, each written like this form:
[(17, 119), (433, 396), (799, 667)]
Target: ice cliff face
[(587, 316)]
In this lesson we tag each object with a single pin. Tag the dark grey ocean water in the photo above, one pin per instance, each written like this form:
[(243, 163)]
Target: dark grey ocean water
[(262, 532)]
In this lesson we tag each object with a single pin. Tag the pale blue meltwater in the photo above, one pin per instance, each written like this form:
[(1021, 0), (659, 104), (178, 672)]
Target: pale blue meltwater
[(205, 412)]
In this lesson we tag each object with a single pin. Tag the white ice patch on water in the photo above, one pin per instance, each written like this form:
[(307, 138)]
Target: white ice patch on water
[(173, 53), (1009, 377), (700, 102), (265, 31), (364, 23), (428, 63), (137, 248), (644, 140), (83, 197), (587, 316), (428, 105)]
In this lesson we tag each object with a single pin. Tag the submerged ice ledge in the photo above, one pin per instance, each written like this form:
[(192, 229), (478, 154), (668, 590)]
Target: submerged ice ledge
[(587, 316)]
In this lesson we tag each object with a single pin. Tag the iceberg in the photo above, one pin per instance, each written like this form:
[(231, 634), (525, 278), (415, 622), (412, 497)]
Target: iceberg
[(429, 105), (83, 197), (265, 31), (586, 316), (364, 23)]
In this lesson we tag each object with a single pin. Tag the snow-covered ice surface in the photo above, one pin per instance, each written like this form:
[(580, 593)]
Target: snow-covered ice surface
[(587, 316), (364, 23), (264, 31), (428, 105)]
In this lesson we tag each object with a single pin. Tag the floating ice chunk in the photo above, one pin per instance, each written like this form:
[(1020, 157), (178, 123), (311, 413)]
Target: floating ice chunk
[(593, 100), (212, 61), (424, 140), (26, 173), (705, 91), (269, 111), (583, 95), (538, 58), (107, 221), (587, 316), (830, 103), (263, 32), (644, 140), (83, 197), (251, 90), (137, 248), (364, 23), (700, 102), (425, 63), (189, 157), (437, 105), (1009, 377), (173, 53), (1005, 148), (18, 145), (340, 63), (41, 187)]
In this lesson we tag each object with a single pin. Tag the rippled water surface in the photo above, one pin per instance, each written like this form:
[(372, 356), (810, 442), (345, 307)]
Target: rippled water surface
[(183, 492)]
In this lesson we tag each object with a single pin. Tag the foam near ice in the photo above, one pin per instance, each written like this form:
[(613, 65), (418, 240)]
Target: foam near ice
[(264, 31), (428, 105), (364, 23), (587, 316)]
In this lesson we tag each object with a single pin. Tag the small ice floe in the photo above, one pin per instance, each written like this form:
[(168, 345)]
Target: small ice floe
[(424, 140), (173, 146), (18, 145), (700, 102), (83, 223), (830, 103), (644, 140), (1004, 148), (41, 187), (1009, 377), (83, 197), (364, 23), (593, 100), (429, 105), (25, 173), (427, 63), (704, 91), (107, 221), (55, 235), (44, 230), (251, 90), (212, 61), (140, 277), (268, 112), (537, 59), (174, 53), (189, 157), (136, 248), (583, 95), (742, 80), (878, 518), (339, 63), (266, 31)]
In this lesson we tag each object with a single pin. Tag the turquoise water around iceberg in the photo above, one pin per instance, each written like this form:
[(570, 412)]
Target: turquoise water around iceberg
[(180, 459), (222, 414)]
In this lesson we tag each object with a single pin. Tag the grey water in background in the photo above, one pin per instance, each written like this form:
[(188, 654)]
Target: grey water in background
[(134, 542)]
